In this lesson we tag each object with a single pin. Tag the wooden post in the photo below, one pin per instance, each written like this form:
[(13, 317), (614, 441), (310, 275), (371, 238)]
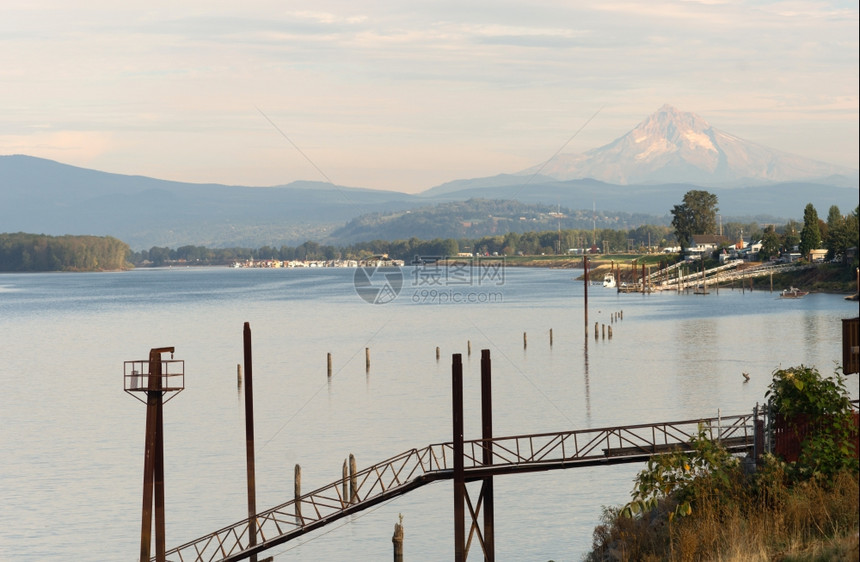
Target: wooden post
[(328, 363), (596, 331), (469, 347), (397, 539), (367, 359), (487, 455), (603, 331), (550, 337), (585, 292), (525, 341), (297, 489), (249, 443), (238, 374), (437, 353), (610, 332), (353, 482), (344, 496), (459, 461)]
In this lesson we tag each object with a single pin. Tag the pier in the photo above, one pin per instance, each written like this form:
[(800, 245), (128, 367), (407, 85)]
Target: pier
[(729, 272), (465, 461)]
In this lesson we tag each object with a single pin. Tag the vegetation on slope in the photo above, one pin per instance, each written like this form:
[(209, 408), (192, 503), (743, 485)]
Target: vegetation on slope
[(38, 252), (710, 505)]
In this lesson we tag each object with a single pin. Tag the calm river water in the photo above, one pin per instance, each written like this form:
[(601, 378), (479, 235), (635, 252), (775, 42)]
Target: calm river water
[(72, 440)]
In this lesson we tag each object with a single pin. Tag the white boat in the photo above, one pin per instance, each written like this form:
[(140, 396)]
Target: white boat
[(609, 281), (793, 293)]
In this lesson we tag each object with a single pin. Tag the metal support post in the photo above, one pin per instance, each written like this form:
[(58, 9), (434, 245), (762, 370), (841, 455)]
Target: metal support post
[(459, 471), (487, 435), (249, 442), (153, 463)]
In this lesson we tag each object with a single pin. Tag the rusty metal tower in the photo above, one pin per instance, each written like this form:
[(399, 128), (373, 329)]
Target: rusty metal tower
[(156, 378)]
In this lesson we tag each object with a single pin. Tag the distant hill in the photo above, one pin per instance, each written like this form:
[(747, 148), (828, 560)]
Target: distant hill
[(672, 146), (773, 202), (636, 179), (477, 218), (46, 197)]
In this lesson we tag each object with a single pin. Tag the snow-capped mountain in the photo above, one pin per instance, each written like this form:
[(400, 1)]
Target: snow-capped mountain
[(675, 146)]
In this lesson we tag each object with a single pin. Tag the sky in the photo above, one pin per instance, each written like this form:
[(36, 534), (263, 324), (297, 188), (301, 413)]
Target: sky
[(406, 95)]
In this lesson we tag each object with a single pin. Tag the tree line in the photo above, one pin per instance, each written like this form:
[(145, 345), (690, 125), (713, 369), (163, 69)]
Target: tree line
[(836, 235), (38, 252), (697, 214), (528, 243)]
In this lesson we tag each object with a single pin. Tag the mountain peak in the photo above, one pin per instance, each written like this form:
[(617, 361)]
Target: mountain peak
[(677, 146)]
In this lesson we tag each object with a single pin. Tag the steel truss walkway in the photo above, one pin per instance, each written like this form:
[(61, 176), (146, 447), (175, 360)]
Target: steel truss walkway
[(482, 459)]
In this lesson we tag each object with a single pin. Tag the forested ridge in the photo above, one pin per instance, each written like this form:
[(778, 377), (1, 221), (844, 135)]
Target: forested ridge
[(39, 252)]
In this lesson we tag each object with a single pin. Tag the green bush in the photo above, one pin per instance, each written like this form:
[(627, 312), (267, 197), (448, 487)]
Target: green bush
[(802, 394)]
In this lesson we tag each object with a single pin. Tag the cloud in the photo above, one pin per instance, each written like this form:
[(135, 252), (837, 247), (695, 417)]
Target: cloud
[(510, 81)]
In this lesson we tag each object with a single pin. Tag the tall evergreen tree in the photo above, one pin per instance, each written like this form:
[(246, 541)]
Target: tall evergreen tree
[(810, 235), (696, 215), (770, 243)]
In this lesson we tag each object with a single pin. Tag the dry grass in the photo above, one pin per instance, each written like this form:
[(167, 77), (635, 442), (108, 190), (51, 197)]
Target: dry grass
[(765, 520)]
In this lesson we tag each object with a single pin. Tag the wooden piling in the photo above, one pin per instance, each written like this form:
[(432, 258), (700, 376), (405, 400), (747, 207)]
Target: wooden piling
[(344, 497), (353, 482), (238, 374), (328, 361), (603, 331), (610, 332), (249, 440), (585, 292), (367, 359), (550, 337), (468, 347), (297, 489), (596, 330), (525, 340), (397, 540), (437, 353)]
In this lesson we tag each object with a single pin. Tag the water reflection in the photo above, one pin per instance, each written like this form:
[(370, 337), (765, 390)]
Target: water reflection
[(701, 350), (587, 383)]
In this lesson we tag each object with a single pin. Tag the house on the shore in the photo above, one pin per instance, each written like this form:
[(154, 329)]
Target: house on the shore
[(703, 244)]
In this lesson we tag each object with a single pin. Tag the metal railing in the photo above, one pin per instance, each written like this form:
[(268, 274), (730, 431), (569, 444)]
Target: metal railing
[(417, 467)]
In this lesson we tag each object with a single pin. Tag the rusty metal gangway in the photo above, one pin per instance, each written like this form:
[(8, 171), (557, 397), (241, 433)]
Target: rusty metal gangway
[(728, 272), (657, 274), (417, 467), (697, 276)]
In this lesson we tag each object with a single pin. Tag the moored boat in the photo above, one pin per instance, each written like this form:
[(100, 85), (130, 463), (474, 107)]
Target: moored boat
[(793, 293), (609, 281)]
